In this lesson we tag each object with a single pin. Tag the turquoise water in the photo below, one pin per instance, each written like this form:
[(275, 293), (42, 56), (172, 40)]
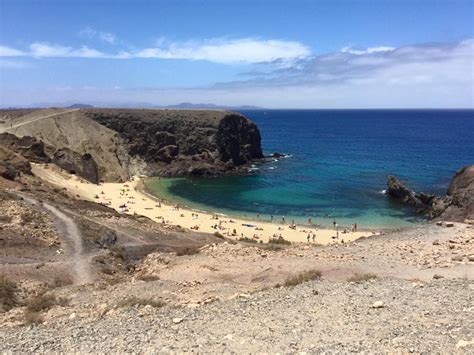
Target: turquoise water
[(337, 165)]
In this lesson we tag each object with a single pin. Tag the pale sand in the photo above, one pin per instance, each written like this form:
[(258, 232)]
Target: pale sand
[(142, 204)]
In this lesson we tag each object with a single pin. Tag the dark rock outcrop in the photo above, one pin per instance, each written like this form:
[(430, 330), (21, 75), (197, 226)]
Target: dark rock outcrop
[(397, 190), (457, 205), (184, 142), (29, 147), (459, 202), (12, 164), (82, 165)]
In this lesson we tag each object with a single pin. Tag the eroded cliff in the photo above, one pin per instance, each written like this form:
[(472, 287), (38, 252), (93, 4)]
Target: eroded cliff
[(127, 142)]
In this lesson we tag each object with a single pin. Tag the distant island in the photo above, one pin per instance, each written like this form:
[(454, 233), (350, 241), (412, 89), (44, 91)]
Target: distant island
[(144, 105)]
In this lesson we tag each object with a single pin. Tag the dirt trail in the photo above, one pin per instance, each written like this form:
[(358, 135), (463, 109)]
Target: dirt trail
[(73, 234), (70, 231)]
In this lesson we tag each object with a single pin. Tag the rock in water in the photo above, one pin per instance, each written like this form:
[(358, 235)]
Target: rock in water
[(397, 190)]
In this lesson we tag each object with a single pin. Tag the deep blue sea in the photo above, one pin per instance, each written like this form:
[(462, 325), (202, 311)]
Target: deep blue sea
[(337, 165)]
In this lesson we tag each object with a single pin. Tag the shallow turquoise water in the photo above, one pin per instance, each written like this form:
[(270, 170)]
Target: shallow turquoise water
[(338, 163)]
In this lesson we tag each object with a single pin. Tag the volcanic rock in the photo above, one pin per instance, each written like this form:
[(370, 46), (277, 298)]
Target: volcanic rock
[(27, 146), (12, 164), (82, 165)]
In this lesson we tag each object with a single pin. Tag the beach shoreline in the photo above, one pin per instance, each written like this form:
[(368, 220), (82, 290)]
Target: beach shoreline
[(132, 198)]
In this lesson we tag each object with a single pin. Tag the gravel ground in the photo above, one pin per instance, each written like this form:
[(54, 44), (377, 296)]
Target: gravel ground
[(317, 316)]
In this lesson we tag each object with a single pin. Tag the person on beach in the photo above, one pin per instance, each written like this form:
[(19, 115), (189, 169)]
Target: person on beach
[(355, 227), (314, 237), (309, 237), (283, 219), (310, 221), (271, 218)]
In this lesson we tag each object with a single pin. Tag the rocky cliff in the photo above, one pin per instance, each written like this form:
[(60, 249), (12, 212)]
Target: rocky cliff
[(457, 205), (126, 142), (184, 142)]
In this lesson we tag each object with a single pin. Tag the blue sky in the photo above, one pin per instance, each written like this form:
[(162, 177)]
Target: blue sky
[(302, 54)]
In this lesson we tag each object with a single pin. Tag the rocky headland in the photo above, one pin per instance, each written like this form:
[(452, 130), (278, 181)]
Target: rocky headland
[(115, 144), (456, 205)]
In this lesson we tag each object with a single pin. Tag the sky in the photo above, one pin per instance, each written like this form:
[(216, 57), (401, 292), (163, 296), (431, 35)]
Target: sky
[(274, 54)]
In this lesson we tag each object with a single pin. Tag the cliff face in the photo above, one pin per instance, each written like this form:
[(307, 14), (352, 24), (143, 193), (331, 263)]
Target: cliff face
[(115, 144), (184, 142)]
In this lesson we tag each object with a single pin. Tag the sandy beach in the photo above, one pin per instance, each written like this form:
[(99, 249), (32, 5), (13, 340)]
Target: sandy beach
[(130, 198)]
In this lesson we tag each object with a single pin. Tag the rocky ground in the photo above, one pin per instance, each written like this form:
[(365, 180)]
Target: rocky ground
[(155, 287), (319, 316)]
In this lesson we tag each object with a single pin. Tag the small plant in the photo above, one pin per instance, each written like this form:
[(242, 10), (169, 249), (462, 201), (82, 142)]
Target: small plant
[(279, 240), (60, 281), (118, 252), (28, 217), (272, 247), (133, 301), (45, 302), (247, 240), (180, 229), (187, 251), (33, 317), (8, 297), (218, 235), (359, 278), (148, 278), (304, 276), (5, 219)]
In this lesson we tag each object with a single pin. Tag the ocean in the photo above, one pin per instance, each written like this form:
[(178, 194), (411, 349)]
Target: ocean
[(337, 165)]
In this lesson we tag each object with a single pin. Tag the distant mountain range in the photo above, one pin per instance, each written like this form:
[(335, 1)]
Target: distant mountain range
[(183, 105)]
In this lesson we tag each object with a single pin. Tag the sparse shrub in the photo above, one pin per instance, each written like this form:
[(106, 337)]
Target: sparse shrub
[(8, 297), (32, 317), (148, 278), (106, 269), (187, 251), (5, 219), (180, 229), (218, 235), (279, 240), (118, 252), (304, 276), (60, 281), (27, 217), (272, 247), (133, 301), (359, 278), (247, 240), (45, 302)]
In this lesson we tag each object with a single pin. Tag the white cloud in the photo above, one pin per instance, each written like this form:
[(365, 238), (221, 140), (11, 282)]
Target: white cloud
[(10, 52), (245, 50), (39, 49), (89, 32), (370, 50)]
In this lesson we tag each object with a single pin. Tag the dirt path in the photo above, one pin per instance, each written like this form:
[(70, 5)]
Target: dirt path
[(69, 230), (73, 234), (7, 127)]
